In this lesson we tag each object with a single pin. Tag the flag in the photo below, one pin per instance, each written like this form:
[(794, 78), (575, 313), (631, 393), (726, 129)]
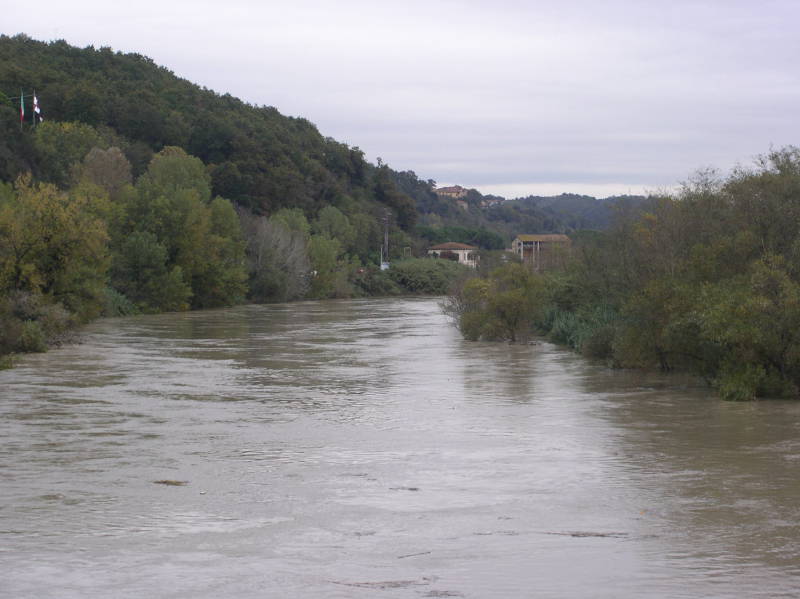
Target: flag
[(21, 107), (36, 110)]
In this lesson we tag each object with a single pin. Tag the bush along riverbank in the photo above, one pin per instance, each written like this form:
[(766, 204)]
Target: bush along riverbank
[(109, 245), (31, 322), (707, 281)]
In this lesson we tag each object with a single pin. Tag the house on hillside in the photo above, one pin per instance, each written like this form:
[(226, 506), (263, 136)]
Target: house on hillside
[(489, 202), (463, 253), (455, 192), (542, 252)]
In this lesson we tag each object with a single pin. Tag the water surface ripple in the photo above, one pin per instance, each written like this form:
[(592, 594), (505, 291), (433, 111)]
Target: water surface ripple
[(352, 449)]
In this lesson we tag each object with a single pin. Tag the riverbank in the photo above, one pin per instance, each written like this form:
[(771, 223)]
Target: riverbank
[(31, 325), (705, 281)]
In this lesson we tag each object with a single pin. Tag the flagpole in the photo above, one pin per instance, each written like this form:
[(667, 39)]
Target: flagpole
[(33, 116)]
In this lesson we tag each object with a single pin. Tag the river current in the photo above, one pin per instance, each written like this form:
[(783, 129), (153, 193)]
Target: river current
[(362, 449)]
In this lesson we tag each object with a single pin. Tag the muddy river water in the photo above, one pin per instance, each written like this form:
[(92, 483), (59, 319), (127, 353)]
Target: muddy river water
[(362, 449)]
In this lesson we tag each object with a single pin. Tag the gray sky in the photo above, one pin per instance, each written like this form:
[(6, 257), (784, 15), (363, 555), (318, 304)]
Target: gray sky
[(510, 97)]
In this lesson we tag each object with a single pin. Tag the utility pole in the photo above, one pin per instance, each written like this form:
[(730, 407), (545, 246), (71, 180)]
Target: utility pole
[(385, 246)]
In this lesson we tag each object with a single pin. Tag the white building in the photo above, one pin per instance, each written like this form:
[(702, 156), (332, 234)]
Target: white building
[(466, 254)]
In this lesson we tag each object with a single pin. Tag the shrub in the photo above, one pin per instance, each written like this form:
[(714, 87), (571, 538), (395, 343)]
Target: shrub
[(427, 275), (740, 382), (28, 323), (56, 323), (504, 306), (117, 304), (32, 338), (372, 281)]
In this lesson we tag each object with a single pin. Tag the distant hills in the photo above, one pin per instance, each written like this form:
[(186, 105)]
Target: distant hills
[(577, 212)]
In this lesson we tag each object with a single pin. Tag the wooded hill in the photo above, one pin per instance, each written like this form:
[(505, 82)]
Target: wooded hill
[(255, 156), (141, 191)]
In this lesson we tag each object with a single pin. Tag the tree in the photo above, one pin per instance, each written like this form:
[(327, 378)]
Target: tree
[(219, 280), (172, 202), (504, 306), (108, 169), (141, 273), (54, 244), (293, 220), (324, 255), (334, 224), (277, 259), (60, 146), (173, 170), (387, 193)]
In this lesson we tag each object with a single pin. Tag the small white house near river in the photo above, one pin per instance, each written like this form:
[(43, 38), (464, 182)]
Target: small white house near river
[(465, 254)]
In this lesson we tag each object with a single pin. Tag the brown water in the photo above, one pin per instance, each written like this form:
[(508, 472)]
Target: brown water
[(362, 449)]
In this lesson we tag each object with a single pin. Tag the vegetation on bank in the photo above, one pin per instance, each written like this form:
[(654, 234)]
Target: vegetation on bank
[(705, 281), (141, 192), (109, 245)]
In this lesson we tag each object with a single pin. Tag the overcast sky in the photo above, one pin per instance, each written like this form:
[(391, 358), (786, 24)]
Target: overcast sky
[(509, 97)]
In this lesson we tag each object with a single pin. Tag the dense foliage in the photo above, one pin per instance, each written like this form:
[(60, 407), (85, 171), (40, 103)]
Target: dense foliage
[(480, 237), (142, 192), (707, 281)]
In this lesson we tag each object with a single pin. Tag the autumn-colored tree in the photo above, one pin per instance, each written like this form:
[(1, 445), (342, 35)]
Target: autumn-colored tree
[(54, 244)]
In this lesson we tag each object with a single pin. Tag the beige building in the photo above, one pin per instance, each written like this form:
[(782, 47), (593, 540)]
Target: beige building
[(542, 251), (456, 191), (467, 254)]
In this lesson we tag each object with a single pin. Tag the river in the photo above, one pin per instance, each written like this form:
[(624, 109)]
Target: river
[(351, 449)]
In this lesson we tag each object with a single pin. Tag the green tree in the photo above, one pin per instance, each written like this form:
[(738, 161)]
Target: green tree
[(334, 224), (293, 220), (141, 273), (172, 170), (324, 255), (277, 259), (61, 147), (202, 237), (109, 169), (53, 244), (505, 306), (220, 280)]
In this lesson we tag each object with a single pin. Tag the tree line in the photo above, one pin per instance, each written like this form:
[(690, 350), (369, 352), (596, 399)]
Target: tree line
[(706, 281), (95, 240), (142, 192)]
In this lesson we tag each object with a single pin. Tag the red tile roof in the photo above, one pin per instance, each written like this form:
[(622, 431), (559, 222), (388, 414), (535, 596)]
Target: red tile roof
[(452, 245)]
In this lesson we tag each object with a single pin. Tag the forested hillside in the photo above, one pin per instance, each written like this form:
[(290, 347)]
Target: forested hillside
[(563, 213), (139, 191), (255, 156)]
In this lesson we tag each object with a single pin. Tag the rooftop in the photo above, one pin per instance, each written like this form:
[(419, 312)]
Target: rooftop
[(550, 238), (453, 245)]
